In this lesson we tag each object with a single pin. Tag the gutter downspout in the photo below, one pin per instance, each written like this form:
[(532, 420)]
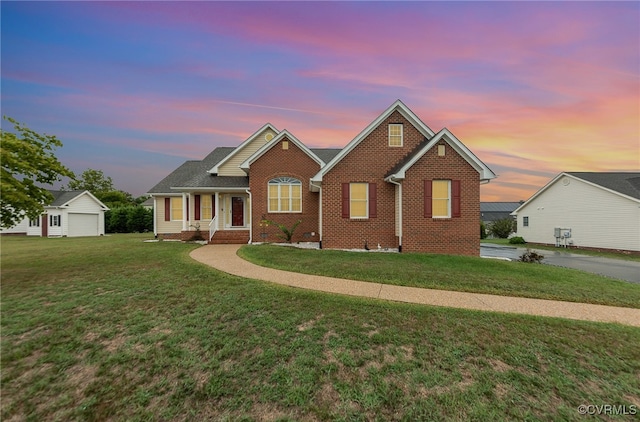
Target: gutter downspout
[(250, 217), (399, 212), (155, 217), (319, 212)]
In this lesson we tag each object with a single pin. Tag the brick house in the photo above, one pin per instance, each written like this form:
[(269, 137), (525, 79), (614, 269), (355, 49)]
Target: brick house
[(397, 184)]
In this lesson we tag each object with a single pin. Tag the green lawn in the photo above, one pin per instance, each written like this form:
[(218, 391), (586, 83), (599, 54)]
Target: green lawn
[(469, 274), (116, 329)]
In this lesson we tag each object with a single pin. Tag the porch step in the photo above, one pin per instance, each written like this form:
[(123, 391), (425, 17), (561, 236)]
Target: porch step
[(235, 237)]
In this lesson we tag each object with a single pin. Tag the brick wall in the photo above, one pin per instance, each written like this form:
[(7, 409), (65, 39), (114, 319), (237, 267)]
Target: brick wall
[(277, 162), (457, 235), (368, 162)]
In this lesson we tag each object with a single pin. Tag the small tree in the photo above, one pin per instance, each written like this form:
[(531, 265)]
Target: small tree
[(502, 228), (27, 159), (483, 230), (287, 233)]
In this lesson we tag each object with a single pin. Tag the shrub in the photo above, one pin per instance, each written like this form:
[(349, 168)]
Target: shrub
[(483, 230), (287, 233), (531, 257), (502, 228), (117, 222), (138, 219), (517, 240), (128, 219)]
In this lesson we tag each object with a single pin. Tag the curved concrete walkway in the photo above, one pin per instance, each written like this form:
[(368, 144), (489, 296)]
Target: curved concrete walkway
[(225, 258)]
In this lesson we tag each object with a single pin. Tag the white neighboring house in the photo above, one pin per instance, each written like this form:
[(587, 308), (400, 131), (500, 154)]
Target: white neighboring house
[(71, 214), (584, 209)]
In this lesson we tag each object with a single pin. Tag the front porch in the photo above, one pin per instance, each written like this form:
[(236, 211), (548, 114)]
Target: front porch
[(221, 217)]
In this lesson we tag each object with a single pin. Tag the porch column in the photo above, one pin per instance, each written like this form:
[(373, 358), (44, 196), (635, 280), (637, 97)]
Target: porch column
[(184, 211), (217, 211)]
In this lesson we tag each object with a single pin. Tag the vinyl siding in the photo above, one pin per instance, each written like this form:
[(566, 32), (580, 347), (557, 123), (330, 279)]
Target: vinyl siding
[(231, 167), (165, 226), (597, 218), (59, 230), (21, 227), (84, 204)]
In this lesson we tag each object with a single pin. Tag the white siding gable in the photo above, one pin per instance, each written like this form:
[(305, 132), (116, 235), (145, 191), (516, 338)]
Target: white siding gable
[(231, 167), (597, 217), (84, 204)]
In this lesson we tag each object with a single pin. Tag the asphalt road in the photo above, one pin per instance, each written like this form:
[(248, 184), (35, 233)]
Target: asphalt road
[(614, 268)]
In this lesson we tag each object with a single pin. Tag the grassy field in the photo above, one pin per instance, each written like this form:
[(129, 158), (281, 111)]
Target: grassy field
[(116, 329), (448, 272)]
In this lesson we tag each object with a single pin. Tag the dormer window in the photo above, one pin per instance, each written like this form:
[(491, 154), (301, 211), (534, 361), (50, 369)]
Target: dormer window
[(395, 135)]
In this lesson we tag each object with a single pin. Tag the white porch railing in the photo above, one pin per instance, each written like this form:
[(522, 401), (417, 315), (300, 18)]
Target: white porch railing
[(213, 226)]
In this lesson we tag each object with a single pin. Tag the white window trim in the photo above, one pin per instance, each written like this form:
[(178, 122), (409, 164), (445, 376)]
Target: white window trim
[(54, 220), (401, 135), (281, 182), (448, 199), (366, 201), (35, 222)]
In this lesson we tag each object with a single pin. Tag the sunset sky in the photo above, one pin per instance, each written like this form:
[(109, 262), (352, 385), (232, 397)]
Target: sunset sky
[(136, 88)]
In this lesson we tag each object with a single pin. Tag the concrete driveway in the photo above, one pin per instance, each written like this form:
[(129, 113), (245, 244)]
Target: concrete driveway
[(608, 267)]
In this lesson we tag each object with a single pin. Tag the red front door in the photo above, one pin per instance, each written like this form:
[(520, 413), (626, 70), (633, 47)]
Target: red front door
[(237, 211), (45, 225)]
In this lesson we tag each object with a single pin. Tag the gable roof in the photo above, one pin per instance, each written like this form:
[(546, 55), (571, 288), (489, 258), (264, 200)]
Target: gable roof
[(249, 140), (398, 106), (63, 198), (499, 206), (279, 137), (626, 184), (326, 154), (398, 172), (191, 171)]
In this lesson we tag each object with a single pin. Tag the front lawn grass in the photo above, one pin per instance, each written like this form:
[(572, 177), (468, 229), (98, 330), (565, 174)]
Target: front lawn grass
[(448, 272), (116, 329)]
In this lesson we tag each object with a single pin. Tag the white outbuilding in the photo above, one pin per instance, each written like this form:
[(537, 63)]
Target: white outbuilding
[(70, 214), (584, 209)]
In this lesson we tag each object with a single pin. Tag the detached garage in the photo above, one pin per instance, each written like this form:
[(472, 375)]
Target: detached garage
[(72, 214)]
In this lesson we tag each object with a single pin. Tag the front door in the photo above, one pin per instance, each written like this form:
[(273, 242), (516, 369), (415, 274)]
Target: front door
[(45, 225), (237, 211)]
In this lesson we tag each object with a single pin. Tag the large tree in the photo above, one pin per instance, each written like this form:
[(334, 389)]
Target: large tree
[(94, 181), (28, 160)]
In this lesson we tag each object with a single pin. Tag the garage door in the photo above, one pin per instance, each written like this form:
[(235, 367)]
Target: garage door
[(83, 225)]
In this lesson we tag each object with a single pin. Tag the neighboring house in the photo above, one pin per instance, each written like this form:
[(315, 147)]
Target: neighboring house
[(493, 211), (397, 184), (147, 204), (70, 214), (592, 210)]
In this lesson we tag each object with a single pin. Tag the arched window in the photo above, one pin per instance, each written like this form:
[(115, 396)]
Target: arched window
[(285, 195)]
